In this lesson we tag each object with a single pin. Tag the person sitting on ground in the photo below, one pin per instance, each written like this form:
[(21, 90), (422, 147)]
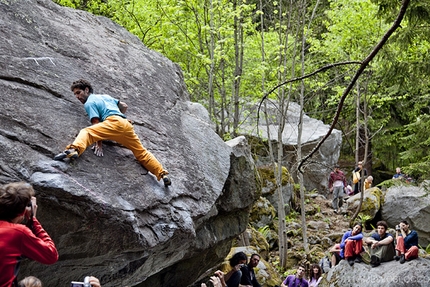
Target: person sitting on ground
[(336, 185), (17, 202), (109, 123), (368, 182), (407, 242), (381, 245), (248, 274), (296, 280), (352, 245), (315, 275), (233, 277), (30, 281), (398, 174)]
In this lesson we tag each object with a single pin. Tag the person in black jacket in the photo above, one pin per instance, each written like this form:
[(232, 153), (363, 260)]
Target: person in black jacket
[(248, 275)]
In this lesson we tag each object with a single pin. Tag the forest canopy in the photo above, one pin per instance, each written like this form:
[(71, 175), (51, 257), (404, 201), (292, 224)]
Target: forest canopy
[(232, 52)]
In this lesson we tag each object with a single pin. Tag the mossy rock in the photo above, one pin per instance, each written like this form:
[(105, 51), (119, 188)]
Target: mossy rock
[(268, 178), (262, 213)]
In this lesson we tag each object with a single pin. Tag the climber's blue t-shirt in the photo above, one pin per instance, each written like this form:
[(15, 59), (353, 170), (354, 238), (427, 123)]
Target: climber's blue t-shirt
[(102, 106)]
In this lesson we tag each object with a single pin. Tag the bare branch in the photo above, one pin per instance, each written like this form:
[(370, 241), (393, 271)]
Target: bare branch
[(364, 64)]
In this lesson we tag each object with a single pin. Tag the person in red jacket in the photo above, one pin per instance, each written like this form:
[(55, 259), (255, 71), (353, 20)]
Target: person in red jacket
[(336, 185), (18, 241)]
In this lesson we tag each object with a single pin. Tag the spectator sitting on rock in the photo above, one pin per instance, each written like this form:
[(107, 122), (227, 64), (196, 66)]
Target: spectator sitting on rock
[(248, 274), (407, 242), (335, 254), (381, 245), (232, 278), (368, 182), (352, 245)]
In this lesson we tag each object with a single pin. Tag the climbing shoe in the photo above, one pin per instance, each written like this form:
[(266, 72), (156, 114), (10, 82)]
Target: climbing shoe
[(358, 259), (402, 259), (68, 153), (166, 181), (350, 261), (374, 261)]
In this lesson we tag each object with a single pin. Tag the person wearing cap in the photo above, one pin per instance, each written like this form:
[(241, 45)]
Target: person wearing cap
[(358, 172)]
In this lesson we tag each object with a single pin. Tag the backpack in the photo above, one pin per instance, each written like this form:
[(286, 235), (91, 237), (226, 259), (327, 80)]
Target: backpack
[(325, 264), (356, 176)]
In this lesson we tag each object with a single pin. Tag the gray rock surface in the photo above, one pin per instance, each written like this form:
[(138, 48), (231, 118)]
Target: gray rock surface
[(409, 203), (106, 218), (317, 169), (393, 274)]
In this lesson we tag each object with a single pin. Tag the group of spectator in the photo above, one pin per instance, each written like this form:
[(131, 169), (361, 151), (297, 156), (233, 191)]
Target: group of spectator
[(380, 243), (241, 272), (22, 236), (339, 187), (298, 279)]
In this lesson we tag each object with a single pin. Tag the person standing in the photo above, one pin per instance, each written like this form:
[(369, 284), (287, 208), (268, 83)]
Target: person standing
[(296, 280), (356, 176), (109, 122), (248, 274), (381, 245), (17, 241), (336, 185), (407, 242)]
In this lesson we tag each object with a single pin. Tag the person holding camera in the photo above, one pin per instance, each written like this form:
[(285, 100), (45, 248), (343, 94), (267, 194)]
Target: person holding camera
[(407, 242), (381, 245), (232, 278), (17, 241)]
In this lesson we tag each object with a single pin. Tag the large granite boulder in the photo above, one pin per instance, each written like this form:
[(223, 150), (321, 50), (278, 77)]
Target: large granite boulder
[(372, 200), (106, 217), (411, 203), (393, 274), (318, 168)]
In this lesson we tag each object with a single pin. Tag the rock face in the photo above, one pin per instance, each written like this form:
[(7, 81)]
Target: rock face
[(318, 168), (107, 218), (393, 274), (409, 203)]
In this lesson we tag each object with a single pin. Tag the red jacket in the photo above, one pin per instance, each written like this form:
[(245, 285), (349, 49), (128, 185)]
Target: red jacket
[(18, 241), (335, 176)]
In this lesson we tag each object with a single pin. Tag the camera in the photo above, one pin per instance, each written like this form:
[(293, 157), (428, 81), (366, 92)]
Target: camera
[(86, 283), (397, 227)]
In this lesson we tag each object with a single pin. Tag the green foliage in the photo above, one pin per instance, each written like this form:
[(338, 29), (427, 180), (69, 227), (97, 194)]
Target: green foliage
[(292, 216), (363, 218), (200, 37), (265, 231)]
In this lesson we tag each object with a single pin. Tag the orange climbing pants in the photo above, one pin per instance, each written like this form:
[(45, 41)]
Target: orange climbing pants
[(353, 248), (410, 253), (120, 130)]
